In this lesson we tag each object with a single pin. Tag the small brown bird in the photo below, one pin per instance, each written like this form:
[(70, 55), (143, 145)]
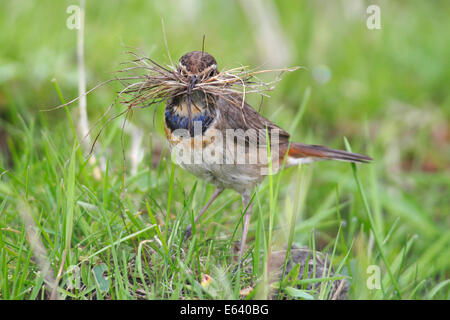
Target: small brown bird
[(223, 140)]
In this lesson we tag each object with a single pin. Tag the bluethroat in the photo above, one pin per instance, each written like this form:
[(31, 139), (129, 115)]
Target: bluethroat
[(224, 141)]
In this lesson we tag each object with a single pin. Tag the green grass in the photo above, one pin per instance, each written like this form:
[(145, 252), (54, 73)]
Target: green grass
[(387, 94)]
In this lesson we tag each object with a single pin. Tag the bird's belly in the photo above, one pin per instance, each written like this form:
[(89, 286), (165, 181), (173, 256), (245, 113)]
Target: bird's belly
[(206, 157), (238, 177)]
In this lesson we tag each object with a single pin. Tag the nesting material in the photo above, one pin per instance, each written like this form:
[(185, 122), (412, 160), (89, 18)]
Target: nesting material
[(148, 82)]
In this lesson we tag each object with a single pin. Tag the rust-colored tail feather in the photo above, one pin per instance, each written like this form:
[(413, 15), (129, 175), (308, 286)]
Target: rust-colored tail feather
[(299, 150)]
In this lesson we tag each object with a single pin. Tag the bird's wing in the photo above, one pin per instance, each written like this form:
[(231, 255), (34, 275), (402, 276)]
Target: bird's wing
[(246, 118), (236, 115)]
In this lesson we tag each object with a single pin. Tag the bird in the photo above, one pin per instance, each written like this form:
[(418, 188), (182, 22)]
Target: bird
[(222, 140)]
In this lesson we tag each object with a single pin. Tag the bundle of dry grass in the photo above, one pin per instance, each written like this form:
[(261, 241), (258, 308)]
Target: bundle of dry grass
[(150, 83)]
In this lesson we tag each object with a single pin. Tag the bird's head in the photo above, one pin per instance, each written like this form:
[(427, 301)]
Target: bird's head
[(197, 66)]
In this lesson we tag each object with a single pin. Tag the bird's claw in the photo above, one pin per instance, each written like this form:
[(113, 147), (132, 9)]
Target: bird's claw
[(187, 233)]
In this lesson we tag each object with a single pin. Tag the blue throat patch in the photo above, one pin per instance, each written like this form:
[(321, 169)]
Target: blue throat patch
[(175, 121)]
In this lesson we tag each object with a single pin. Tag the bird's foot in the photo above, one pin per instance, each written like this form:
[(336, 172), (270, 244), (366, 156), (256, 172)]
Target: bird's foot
[(187, 233)]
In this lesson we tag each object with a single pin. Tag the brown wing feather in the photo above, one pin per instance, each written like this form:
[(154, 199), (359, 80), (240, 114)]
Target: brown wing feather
[(235, 117)]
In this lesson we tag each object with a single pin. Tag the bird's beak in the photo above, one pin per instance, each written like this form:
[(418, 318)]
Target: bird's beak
[(193, 82)]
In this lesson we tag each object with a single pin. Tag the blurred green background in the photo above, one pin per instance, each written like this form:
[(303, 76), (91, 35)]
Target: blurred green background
[(386, 90)]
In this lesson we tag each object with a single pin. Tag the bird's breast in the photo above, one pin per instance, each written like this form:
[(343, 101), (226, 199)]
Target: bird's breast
[(196, 119), (182, 125), (175, 120)]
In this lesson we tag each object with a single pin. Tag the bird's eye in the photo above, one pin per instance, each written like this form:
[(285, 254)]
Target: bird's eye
[(211, 73), (181, 70)]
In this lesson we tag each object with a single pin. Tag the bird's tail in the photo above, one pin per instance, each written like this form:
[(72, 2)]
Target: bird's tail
[(305, 153)]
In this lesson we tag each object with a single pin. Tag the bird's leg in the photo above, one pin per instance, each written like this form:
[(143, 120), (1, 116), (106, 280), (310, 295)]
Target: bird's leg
[(188, 231), (245, 202)]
